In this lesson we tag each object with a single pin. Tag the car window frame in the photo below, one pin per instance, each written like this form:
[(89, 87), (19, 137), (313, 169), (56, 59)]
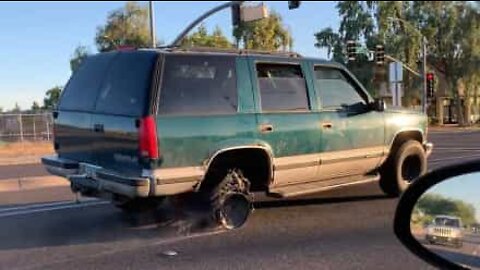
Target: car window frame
[(161, 79), (350, 80), (256, 83)]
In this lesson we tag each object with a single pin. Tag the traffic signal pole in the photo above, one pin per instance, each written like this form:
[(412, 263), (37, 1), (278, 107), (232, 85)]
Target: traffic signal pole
[(152, 24)]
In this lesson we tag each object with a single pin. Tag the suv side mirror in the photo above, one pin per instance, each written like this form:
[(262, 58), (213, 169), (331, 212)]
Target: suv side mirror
[(378, 105)]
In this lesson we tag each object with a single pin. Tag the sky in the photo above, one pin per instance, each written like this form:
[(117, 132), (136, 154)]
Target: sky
[(37, 39), (464, 187)]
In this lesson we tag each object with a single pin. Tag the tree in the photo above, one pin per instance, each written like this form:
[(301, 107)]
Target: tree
[(201, 38), (127, 26), (52, 96), (268, 34), (16, 109), (35, 107), (80, 53), (435, 204), (357, 23)]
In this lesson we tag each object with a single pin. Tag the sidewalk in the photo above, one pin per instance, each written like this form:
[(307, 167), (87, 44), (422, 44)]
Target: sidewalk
[(452, 128)]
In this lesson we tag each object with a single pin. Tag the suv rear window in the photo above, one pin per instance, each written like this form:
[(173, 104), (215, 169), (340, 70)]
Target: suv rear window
[(198, 85), (81, 91), (127, 85)]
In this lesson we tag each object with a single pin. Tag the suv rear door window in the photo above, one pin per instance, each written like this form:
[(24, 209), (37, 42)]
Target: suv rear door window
[(82, 89), (282, 87), (335, 90), (127, 85), (198, 85)]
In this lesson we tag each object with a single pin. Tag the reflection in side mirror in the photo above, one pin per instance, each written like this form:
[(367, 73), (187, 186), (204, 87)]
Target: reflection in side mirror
[(378, 105), (438, 217)]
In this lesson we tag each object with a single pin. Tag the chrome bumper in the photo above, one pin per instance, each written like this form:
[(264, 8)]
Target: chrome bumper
[(85, 177)]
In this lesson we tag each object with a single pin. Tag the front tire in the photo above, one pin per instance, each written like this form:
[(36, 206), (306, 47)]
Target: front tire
[(405, 165), (231, 201)]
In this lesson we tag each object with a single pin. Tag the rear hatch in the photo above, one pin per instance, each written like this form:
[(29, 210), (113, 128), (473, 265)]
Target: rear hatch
[(101, 110)]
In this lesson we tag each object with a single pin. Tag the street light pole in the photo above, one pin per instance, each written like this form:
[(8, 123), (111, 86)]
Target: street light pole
[(152, 24)]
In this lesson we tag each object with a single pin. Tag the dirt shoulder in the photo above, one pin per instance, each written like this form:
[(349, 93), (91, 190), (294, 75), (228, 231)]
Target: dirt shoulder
[(24, 152)]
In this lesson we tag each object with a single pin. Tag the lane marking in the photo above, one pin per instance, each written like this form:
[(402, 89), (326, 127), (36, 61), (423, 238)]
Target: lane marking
[(453, 158), (457, 149), (53, 208), (41, 205)]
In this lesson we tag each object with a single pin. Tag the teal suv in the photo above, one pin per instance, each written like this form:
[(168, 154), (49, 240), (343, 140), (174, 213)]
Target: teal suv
[(137, 126)]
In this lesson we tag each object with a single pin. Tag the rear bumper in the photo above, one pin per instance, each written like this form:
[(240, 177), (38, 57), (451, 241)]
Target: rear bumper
[(88, 178), (97, 181), (428, 146)]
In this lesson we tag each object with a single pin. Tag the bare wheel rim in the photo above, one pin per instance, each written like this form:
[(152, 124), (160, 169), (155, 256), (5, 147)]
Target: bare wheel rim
[(411, 168), (235, 210)]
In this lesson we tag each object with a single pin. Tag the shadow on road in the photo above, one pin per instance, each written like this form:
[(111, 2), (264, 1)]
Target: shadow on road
[(458, 257), (104, 223), (317, 201)]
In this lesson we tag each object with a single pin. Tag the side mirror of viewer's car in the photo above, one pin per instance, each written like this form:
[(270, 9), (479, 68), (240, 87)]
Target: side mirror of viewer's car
[(432, 213), (378, 105)]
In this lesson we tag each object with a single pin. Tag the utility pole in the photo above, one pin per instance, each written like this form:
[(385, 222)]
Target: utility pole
[(424, 74), (152, 24)]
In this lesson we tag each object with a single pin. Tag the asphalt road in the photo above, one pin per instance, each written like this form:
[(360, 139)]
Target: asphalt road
[(468, 254), (349, 228)]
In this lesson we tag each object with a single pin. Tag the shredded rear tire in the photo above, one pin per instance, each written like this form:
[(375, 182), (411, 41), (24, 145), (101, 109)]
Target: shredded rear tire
[(231, 200)]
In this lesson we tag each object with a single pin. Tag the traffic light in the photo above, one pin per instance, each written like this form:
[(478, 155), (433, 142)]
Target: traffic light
[(236, 16), (380, 54), (294, 4), (351, 50), (430, 85)]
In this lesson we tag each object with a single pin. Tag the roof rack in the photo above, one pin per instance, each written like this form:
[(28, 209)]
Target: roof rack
[(228, 50)]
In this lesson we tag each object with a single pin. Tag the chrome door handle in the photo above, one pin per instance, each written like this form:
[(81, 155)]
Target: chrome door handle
[(326, 125), (266, 128)]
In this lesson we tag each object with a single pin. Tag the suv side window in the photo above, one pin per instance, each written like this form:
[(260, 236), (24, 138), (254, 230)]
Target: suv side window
[(127, 84), (336, 90), (282, 87), (195, 85), (82, 89)]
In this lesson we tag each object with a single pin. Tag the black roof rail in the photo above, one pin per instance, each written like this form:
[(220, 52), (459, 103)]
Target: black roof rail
[(231, 50)]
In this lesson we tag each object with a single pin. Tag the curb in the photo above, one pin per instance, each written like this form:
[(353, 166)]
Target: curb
[(20, 160), (32, 183)]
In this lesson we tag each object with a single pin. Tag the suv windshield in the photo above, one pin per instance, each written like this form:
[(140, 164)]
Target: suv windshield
[(449, 222)]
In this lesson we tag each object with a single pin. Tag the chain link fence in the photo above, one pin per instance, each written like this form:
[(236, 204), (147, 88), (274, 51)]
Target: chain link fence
[(26, 127)]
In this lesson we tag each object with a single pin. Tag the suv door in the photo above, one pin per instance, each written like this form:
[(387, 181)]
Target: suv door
[(285, 120), (73, 118), (352, 134), (204, 105)]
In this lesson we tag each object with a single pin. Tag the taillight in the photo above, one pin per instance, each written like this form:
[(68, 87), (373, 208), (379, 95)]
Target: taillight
[(148, 138)]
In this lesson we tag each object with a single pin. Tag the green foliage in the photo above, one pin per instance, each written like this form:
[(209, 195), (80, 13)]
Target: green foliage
[(435, 204), (52, 96), (268, 34), (127, 26), (451, 27), (80, 53), (201, 38)]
